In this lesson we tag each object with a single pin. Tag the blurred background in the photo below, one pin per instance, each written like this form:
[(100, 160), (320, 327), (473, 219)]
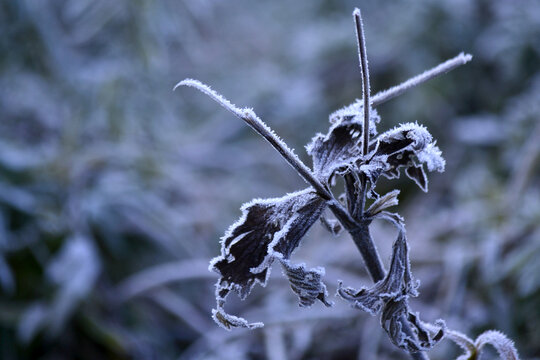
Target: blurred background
[(114, 190)]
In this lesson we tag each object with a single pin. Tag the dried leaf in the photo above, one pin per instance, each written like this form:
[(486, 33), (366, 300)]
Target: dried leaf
[(409, 145), (355, 113), (397, 284), (306, 284), (267, 229), (405, 136), (417, 174), (341, 147), (228, 322), (387, 200), (423, 338)]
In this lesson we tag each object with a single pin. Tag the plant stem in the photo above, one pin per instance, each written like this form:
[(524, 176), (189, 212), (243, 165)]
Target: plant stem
[(350, 192), (362, 54), (249, 116), (362, 238), (397, 90)]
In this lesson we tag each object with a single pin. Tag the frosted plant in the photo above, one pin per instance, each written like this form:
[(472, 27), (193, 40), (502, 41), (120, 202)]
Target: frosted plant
[(270, 230)]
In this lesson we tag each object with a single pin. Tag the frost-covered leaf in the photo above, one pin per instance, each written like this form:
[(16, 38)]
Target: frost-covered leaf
[(355, 112), (228, 322), (397, 284), (341, 147), (395, 312), (306, 283), (405, 136), (387, 200), (390, 296), (409, 145), (394, 218), (417, 174), (373, 168), (268, 229)]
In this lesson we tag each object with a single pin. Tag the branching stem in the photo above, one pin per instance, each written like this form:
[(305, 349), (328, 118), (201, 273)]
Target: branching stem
[(249, 116)]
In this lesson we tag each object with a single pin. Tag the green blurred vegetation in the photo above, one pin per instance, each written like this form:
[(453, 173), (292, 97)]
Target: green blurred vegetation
[(114, 190)]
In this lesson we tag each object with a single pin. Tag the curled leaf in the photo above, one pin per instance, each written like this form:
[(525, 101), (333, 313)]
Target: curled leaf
[(228, 322), (267, 229), (397, 284), (422, 337), (407, 136), (410, 146), (306, 284)]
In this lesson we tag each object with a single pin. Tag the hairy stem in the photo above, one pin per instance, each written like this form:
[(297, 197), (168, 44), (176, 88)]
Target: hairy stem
[(362, 54), (249, 116), (397, 90)]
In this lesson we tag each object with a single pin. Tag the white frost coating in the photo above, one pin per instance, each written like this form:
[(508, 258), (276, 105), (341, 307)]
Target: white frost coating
[(504, 346), (249, 116), (228, 321), (460, 59), (213, 94), (432, 156), (307, 284), (414, 131), (387, 200), (271, 253), (278, 201), (356, 111), (280, 219), (422, 141), (385, 95)]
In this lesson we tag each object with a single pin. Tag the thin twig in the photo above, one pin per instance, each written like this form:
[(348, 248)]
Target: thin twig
[(362, 54), (397, 90), (249, 116)]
